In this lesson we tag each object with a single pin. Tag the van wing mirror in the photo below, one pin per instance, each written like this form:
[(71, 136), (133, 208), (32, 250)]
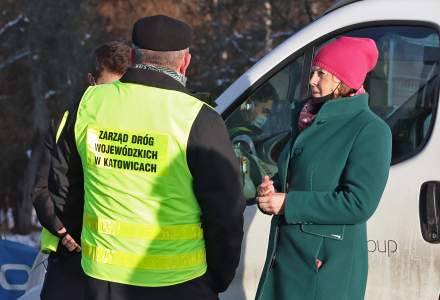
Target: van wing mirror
[(429, 211)]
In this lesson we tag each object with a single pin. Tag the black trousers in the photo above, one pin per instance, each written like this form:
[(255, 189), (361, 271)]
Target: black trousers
[(196, 289), (64, 279)]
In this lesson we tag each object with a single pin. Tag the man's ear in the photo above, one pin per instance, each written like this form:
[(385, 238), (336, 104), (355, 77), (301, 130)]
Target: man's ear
[(184, 64), (91, 79), (133, 56)]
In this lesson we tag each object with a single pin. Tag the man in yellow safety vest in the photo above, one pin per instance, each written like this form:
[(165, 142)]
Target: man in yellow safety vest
[(163, 201)]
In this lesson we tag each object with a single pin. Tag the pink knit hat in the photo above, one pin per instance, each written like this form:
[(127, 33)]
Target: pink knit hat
[(349, 59)]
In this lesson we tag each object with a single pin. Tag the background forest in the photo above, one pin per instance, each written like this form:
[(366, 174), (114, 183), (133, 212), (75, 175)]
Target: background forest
[(45, 47)]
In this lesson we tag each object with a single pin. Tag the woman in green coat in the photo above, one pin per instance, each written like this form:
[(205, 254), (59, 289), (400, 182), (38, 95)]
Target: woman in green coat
[(331, 176)]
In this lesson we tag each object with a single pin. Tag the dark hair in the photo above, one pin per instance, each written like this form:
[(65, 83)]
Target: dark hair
[(112, 56), (265, 93)]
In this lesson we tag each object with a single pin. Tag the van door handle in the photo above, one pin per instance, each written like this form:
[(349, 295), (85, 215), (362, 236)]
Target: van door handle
[(429, 211)]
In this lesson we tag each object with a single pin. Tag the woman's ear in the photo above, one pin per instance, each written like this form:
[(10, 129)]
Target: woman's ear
[(336, 79), (339, 91)]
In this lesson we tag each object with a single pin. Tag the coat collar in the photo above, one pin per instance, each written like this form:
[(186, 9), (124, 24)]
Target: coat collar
[(154, 79), (344, 106), (162, 81)]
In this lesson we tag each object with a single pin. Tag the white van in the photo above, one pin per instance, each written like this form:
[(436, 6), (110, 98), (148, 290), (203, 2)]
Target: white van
[(404, 232)]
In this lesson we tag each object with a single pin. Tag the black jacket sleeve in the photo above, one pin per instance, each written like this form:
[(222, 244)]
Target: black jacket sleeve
[(218, 188), (42, 201), (66, 184), (57, 194)]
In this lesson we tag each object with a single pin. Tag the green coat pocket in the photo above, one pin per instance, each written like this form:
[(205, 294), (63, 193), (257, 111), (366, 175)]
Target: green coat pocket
[(335, 232)]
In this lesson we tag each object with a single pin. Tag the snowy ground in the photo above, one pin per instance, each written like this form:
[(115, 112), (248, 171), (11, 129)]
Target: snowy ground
[(32, 239), (7, 223)]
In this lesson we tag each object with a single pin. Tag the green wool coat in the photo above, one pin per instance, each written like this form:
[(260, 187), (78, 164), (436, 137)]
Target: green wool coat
[(337, 170)]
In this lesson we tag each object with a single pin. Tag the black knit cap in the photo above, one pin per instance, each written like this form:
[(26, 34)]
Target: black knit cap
[(161, 33)]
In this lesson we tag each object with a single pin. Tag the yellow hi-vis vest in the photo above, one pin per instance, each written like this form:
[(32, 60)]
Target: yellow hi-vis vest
[(141, 218), (49, 242)]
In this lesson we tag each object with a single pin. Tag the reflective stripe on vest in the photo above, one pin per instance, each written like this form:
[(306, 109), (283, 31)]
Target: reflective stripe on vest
[(49, 242), (61, 126), (140, 261), (143, 231), (141, 223)]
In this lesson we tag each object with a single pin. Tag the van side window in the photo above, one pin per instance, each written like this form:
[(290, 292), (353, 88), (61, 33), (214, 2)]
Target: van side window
[(260, 126), (404, 86)]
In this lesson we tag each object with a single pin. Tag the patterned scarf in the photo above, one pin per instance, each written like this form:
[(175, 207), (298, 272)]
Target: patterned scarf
[(312, 107), (173, 74), (308, 113)]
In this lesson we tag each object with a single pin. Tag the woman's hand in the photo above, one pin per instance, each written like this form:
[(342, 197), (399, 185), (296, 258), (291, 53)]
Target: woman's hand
[(266, 188), (273, 204)]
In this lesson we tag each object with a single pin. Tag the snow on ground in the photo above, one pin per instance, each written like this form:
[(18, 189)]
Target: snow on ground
[(7, 225), (32, 239)]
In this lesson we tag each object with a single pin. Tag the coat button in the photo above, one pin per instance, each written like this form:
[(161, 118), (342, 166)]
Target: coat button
[(321, 122)]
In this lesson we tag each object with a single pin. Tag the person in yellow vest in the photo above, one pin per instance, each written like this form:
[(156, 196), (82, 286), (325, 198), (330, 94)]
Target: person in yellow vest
[(61, 217), (163, 199)]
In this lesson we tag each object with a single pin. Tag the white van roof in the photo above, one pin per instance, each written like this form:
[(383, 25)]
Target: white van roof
[(339, 4)]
